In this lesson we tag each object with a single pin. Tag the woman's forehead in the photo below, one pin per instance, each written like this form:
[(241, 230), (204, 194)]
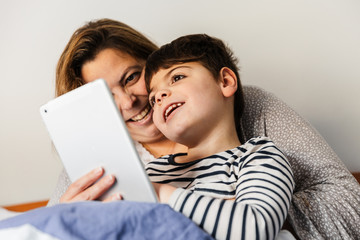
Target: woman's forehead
[(110, 62)]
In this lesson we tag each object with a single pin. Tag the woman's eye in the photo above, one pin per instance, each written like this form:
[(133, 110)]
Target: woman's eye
[(132, 77), (177, 78)]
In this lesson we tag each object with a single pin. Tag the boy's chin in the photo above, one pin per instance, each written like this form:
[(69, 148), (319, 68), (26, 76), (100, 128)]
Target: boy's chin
[(178, 138)]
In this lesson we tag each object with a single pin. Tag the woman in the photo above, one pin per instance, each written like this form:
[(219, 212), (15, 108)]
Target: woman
[(117, 53)]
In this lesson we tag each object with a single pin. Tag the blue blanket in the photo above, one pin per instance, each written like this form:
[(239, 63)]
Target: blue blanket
[(115, 220)]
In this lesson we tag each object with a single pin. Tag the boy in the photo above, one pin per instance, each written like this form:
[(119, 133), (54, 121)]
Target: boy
[(231, 189)]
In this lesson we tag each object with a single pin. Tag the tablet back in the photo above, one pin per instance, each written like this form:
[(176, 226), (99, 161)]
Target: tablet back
[(88, 131)]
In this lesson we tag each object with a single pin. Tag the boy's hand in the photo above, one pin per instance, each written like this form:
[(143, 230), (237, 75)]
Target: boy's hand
[(86, 187), (163, 191)]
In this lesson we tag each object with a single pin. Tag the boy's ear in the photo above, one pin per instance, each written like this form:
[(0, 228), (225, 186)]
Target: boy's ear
[(228, 82)]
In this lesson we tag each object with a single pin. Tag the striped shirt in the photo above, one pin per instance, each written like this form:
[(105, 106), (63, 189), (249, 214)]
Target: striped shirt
[(242, 193)]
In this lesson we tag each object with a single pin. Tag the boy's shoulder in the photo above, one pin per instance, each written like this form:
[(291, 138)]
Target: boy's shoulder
[(260, 140), (252, 145), (256, 144)]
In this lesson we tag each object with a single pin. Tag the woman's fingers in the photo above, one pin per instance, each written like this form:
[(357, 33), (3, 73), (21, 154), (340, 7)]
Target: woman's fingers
[(81, 184), (114, 197), (85, 189), (97, 190)]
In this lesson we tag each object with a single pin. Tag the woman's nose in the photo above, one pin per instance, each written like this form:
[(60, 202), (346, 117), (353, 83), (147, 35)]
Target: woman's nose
[(123, 99), (161, 95)]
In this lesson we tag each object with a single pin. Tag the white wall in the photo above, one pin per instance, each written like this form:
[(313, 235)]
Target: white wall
[(306, 52)]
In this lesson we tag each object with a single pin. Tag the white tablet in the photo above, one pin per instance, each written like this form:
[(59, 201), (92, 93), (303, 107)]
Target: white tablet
[(88, 131)]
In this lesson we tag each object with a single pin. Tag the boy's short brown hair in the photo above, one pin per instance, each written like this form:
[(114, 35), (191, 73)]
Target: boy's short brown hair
[(211, 52)]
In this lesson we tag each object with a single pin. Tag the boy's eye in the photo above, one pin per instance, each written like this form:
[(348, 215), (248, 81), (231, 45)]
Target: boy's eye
[(177, 78), (152, 101)]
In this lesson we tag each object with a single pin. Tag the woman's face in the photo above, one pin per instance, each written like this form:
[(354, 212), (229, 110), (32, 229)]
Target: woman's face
[(124, 76)]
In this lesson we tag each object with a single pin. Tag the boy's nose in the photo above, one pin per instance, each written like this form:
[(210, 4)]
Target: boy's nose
[(161, 95)]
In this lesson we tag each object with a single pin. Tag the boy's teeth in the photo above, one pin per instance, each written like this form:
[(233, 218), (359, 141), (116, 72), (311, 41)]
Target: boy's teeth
[(141, 115), (171, 107)]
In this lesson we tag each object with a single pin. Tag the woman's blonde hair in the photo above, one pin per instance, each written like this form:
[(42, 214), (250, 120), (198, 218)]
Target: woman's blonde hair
[(89, 40)]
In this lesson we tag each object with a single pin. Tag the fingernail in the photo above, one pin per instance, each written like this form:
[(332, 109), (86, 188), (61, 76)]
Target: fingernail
[(98, 170), (117, 196), (110, 178)]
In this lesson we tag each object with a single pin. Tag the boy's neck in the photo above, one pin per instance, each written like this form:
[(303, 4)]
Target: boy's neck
[(164, 147), (217, 141)]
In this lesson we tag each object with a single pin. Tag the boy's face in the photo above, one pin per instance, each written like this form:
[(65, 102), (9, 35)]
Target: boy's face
[(187, 101)]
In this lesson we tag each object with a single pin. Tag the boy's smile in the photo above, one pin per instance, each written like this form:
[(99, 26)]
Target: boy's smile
[(169, 110)]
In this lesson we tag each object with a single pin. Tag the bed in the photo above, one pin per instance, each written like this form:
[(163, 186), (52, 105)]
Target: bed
[(97, 220)]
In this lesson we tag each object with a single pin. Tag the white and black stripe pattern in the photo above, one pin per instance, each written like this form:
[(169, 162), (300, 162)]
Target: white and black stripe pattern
[(242, 193)]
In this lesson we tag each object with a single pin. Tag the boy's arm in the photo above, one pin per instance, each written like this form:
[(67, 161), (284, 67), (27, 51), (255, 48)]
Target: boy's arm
[(163, 191), (264, 188)]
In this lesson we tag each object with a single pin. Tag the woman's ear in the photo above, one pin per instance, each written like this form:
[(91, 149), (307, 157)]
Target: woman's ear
[(228, 82)]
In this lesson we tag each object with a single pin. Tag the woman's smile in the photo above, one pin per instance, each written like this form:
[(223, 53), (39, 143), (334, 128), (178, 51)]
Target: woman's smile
[(142, 118), (142, 114)]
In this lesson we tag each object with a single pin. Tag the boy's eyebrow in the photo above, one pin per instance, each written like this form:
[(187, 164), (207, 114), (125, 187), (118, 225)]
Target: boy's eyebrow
[(169, 73)]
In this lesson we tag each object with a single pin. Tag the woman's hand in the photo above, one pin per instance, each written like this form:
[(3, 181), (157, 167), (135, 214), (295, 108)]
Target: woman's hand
[(85, 188), (163, 191)]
